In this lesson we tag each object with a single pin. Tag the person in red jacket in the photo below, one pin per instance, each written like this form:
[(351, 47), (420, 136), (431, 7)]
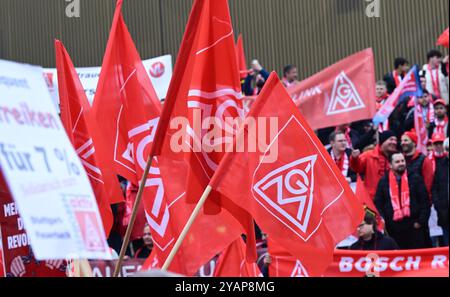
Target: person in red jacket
[(374, 164)]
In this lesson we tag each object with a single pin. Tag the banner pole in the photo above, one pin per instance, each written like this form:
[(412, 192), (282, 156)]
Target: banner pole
[(126, 239), (186, 228)]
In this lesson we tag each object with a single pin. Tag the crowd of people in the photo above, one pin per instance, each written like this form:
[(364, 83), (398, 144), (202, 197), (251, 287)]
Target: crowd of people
[(405, 183)]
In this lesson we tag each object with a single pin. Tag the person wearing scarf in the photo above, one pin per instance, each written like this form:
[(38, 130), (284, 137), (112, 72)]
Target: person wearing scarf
[(381, 97), (437, 75), (394, 78), (341, 155), (402, 200), (290, 76), (374, 164), (440, 123)]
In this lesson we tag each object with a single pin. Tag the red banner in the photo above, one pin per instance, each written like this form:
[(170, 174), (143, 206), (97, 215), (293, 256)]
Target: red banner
[(340, 94), (404, 263), (102, 268), (18, 258), (2, 271)]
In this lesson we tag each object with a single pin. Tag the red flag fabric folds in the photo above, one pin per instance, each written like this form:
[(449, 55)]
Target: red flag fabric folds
[(205, 84), (242, 62), (292, 187), (340, 94), (77, 120), (443, 39), (231, 262)]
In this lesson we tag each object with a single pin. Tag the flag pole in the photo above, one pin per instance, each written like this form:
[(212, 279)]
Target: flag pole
[(126, 239), (186, 228)]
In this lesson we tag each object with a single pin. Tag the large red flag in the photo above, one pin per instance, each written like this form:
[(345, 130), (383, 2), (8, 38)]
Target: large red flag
[(128, 108), (205, 84), (77, 120), (292, 187), (363, 195), (242, 62), (231, 262), (340, 94)]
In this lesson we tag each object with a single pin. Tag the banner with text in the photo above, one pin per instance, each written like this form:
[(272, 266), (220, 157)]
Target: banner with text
[(401, 263), (45, 177)]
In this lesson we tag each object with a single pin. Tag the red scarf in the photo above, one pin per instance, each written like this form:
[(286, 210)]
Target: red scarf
[(400, 205), (430, 114), (381, 100), (435, 81), (397, 78), (342, 163), (440, 125)]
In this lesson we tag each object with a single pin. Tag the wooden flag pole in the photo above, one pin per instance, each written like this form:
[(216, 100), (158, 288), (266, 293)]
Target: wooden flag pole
[(85, 268), (133, 217), (186, 228)]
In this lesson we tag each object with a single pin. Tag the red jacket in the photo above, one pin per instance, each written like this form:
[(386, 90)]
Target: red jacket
[(373, 165)]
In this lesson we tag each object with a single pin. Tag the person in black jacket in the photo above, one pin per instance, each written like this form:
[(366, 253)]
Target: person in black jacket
[(370, 239), (255, 80), (439, 190), (341, 155), (146, 249), (393, 79), (402, 200)]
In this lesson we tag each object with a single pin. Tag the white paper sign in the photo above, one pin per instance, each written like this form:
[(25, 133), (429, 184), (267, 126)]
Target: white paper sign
[(43, 172), (158, 69)]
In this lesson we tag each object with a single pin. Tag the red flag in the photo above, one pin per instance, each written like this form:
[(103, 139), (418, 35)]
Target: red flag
[(205, 84), (293, 189), (129, 111), (240, 53), (231, 262), (443, 39), (420, 128), (340, 94), (77, 120), (363, 195), (125, 105)]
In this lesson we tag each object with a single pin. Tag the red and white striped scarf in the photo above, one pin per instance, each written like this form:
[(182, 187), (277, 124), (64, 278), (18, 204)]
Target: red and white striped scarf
[(440, 125), (343, 163), (429, 117), (434, 73), (397, 78), (400, 205)]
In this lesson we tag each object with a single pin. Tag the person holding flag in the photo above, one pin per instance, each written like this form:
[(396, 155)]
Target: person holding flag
[(374, 164)]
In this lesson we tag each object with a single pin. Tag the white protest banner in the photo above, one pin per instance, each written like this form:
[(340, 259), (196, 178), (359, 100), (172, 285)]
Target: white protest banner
[(44, 174), (158, 69)]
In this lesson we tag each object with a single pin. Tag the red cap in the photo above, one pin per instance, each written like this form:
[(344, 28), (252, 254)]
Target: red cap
[(439, 101), (412, 135), (438, 137)]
